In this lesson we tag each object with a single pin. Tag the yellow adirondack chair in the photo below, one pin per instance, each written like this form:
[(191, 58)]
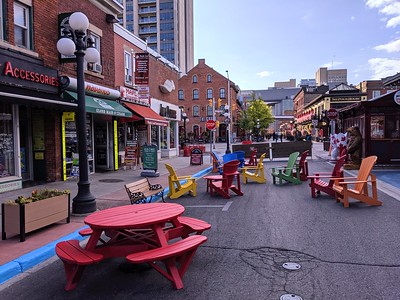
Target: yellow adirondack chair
[(179, 185), (359, 184), (257, 172)]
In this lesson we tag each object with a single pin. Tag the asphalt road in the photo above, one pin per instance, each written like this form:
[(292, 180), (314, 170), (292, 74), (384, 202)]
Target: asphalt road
[(343, 253)]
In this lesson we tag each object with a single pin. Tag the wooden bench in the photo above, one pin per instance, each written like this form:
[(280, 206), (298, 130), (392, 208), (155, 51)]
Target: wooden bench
[(140, 190), (75, 258), (183, 249)]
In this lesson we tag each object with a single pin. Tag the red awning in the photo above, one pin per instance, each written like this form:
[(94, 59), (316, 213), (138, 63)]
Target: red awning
[(150, 116)]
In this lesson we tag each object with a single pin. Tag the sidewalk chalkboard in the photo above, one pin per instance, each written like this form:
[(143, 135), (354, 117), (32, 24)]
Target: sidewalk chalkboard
[(196, 156), (149, 157)]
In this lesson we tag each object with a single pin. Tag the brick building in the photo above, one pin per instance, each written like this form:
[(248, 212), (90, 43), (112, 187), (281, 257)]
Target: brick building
[(202, 91)]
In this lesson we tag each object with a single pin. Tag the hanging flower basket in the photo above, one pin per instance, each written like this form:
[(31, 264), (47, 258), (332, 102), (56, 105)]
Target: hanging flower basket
[(43, 208)]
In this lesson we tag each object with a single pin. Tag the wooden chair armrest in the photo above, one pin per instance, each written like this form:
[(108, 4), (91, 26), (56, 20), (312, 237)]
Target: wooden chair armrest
[(184, 177), (249, 168), (323, 176), (354, 182)]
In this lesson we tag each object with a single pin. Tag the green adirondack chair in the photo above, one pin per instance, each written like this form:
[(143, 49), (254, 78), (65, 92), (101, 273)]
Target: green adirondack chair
[(286, 172)]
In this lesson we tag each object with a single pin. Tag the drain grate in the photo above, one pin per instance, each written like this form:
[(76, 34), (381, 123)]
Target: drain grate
[(110, 180), (290, 297)]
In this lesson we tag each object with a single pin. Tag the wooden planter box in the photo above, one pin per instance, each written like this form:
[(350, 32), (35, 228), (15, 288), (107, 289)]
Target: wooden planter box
[(23, 218)]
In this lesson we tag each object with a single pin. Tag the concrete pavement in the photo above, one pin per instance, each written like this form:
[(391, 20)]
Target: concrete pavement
[(108, 189)]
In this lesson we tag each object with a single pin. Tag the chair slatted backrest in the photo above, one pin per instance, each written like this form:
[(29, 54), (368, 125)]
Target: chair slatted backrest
[(365, 170), (240, 157), (216, 161), (253, 157), (291, 163), (172, 176), (229, 171), (337, 170), (303, 157), (229, 157), (260, 164)]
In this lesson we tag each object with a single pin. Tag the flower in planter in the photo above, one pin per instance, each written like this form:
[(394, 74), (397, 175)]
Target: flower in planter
[(38, 195)]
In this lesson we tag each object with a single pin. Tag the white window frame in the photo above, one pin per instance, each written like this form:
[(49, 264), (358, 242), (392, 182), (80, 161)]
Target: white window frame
[(25, 27), (96, 43), (128, 67), (376, 93)]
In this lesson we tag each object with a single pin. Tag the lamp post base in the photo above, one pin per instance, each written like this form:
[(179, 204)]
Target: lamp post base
[(84, 202)]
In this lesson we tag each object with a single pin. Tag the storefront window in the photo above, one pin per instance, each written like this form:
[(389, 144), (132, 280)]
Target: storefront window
[(392, 128), (6, 142), (172, 135), (164, 137), (378, 127), (154, 136)]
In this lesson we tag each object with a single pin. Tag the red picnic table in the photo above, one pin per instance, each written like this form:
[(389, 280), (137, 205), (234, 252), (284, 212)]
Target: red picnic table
[(141, 234)]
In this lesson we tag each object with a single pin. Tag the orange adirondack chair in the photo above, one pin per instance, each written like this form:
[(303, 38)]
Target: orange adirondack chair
[(225, 183), (319, 185), (253, 158), (360, 190), (303, 166)]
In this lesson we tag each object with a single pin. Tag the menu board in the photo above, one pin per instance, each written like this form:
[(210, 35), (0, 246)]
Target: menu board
[(149, 157), (131, 154)]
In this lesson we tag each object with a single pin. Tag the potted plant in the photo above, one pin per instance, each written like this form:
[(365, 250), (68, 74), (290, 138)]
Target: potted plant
[(42, 208)]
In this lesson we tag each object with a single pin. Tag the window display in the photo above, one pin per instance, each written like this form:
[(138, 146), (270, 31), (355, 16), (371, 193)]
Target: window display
[(71, 145), (6, 142), (378, 127)]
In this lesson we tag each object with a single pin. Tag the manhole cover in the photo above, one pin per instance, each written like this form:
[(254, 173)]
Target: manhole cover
[(290, 297), (110, 180), (291, 266)]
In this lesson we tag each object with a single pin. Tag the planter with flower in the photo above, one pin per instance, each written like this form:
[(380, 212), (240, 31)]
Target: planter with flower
[(26, 214)]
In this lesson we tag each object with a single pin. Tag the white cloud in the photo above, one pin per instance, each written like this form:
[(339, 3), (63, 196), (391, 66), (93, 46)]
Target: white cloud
[(383, 67), (389, 8), (264, 74), (393, 46), (352, 18)]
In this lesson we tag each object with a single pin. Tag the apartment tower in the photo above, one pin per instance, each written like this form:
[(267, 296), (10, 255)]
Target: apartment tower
[(166, 25)]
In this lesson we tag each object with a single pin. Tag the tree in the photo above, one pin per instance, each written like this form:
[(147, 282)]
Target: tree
[(258, 110)]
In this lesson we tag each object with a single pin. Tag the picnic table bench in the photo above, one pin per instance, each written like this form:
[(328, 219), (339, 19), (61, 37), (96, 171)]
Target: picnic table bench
[(140, 190)]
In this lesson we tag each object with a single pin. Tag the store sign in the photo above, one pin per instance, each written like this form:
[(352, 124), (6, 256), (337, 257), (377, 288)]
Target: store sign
[(16, 71), (167, 112), (142, 68), (94, 89), (133, 95), (397, 97)]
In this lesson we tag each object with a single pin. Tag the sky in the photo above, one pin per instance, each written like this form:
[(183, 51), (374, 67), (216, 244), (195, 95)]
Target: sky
[(261, 42)]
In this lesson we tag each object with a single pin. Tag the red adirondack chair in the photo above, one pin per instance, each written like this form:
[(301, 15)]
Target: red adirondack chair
[(303, 166), (319, 185), (253, 158), (225, 183)]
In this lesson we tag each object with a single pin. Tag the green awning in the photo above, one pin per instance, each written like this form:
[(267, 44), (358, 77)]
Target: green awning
[(96, 105)]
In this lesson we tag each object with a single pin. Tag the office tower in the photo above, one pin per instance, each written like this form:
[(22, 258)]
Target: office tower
[(166, 25)]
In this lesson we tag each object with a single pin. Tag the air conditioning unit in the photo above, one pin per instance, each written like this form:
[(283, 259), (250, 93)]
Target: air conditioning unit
[(97, 68), (128, 78)]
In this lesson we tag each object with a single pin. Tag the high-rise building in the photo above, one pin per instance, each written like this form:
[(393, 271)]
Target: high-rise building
[(334, 76), (166, 25)]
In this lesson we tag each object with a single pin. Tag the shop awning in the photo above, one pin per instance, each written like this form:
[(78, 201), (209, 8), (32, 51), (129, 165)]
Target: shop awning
[(150, 116), (102, 106)]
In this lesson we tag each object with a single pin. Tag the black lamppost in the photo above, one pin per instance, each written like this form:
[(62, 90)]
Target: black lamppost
[(258, 129), (76, 42), (184, 117)]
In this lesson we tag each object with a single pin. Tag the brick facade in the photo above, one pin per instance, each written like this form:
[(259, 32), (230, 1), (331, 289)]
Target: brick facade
[(217, 82)]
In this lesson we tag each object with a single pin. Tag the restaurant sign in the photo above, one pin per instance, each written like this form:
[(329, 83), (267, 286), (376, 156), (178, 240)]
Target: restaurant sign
[(397, 97)]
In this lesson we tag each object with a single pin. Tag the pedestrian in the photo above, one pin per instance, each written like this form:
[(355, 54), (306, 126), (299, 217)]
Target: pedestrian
[(281, 136), (274, 137)]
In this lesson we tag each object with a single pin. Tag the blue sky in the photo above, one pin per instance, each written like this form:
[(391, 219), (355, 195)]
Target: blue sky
[(263, 41)]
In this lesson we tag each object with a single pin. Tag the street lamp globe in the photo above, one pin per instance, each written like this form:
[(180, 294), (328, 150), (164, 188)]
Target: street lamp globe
[(66, 46), (78, 21)]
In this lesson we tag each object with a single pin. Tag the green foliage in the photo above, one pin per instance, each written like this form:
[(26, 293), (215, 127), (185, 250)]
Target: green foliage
[(38, 195), (257, 110)]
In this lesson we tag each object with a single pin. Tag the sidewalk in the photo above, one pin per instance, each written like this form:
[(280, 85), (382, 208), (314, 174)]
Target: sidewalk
[(108, 189)]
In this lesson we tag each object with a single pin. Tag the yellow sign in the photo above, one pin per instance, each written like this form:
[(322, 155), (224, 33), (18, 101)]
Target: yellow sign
[(39, 155), (69, 116)]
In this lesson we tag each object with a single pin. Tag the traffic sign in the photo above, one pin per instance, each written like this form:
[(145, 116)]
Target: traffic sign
[(210, 124), (332, 114)]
